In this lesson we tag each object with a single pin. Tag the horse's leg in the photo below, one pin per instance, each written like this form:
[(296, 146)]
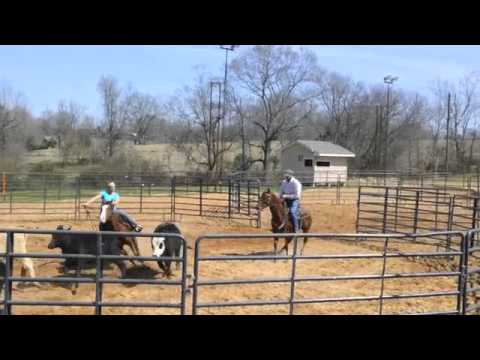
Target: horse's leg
[(77, 275), (125, 253), (275, 247), (123, 268), (305, 239)]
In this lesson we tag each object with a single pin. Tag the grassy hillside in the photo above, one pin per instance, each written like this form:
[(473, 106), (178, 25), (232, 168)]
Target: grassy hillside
[(164, 154)]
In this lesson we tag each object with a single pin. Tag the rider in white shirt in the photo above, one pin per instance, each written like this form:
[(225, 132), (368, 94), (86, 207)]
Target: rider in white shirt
[(291, 192)]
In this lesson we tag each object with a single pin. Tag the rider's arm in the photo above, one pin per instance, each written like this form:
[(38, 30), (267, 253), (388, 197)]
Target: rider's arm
[(93, 199), (298, 189)]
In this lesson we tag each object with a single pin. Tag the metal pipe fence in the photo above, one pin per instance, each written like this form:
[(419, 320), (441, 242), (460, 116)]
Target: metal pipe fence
[(161, 196), (293, 298), (458, 269), (412, 210), (98, 303), (471, 282)]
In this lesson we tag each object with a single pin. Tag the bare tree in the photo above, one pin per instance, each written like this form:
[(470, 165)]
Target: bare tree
[(465, 108), (142, 113), (12, 115), (278, 78), (114, 113)]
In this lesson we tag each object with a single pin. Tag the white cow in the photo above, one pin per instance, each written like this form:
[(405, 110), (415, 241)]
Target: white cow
[(20, 247)]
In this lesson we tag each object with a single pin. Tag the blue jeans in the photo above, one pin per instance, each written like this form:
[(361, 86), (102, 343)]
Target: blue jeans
[(293, 206), (125, 217)]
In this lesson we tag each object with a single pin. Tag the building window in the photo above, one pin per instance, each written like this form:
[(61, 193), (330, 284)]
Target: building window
[(300, 158), (323, 163), (308, 162)]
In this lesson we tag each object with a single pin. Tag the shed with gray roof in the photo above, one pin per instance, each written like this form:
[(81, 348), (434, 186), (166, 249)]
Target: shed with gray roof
[(316, 162)]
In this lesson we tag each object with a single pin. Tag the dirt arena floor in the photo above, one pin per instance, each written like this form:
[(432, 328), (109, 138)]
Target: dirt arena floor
[(326, 219)]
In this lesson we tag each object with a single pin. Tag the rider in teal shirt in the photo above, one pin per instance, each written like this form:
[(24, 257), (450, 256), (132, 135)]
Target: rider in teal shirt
[(109, 196)]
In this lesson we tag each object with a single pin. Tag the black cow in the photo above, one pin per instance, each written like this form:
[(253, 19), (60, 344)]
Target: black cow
[(86, 244), (169, 246)]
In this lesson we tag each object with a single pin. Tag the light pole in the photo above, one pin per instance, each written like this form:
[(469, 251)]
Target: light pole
[(389, 80), (227, 49)]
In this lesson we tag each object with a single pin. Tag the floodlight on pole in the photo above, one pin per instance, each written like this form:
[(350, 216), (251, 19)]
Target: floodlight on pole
[(227, 48), (389, 80)]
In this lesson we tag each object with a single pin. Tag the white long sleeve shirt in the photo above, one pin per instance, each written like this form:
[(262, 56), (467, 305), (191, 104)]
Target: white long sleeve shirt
[(292, 189)]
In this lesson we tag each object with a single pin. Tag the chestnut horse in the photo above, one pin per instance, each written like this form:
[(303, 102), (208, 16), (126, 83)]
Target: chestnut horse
[(112, 222), (281, 222)]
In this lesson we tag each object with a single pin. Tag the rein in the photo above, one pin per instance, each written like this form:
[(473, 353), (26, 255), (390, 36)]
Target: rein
[(91, 221)]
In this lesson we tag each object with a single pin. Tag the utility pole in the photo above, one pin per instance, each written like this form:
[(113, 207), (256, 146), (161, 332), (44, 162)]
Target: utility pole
[(377, 148), (227, 48), (244, 158), (214, 125), (448, 134), (389, 80)]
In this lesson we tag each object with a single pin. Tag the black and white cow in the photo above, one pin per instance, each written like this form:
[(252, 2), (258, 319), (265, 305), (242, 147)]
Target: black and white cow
[(168, 246)]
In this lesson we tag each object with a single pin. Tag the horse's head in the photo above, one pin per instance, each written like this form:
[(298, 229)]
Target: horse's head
[(266, 199), (106, 213)]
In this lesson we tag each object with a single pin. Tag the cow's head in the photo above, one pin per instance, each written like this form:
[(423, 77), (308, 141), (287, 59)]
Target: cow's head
[(158, 246), (105, 213), (56, 238)]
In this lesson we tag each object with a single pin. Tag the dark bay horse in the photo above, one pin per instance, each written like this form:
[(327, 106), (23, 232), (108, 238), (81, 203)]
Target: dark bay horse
[(281, 222)]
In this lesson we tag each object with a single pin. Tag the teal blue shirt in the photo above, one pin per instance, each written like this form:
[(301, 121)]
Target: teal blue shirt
[(107, 198)]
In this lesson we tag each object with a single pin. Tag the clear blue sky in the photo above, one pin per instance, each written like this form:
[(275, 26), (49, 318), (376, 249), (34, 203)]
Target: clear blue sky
[(47, 74)]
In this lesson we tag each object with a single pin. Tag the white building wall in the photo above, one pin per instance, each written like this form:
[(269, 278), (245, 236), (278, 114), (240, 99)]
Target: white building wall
[(291, 160), (337, 171)]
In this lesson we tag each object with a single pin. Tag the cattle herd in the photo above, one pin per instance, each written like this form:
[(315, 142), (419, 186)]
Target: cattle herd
[(86, 244)]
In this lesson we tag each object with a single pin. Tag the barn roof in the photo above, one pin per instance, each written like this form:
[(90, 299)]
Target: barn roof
[(323, 148)]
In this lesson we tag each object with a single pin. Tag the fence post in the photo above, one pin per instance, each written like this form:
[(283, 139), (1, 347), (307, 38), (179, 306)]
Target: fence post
[(385, 211), (7, 307), (141, 195), (478, 181), (396, 209), (201, 197), (44, 194), (384, 268), (229, 198), (248, 197), (462, 303), (76, 206), (292, 275), (98, 277), (11, 201), (415, 217), (239, 197), (474, 219), (172, 198), (358, 208), (259, 215), (436, 209), (338, 189), (4, 185)]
